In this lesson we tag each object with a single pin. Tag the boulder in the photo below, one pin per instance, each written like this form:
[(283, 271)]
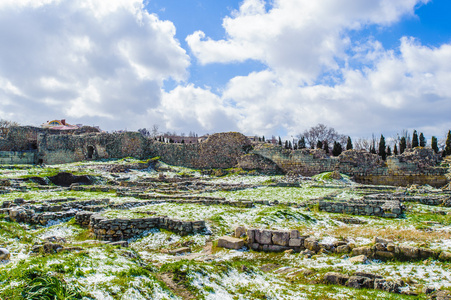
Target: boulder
[(359, 282), (342, 249), (230, 242), (311, 244), (336, 278), (359, 259), (445, 255), (385, 254), (388, 286), (4, 254)]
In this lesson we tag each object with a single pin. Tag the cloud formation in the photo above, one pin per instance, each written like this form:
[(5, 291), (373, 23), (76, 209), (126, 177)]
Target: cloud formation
[(87, 60)]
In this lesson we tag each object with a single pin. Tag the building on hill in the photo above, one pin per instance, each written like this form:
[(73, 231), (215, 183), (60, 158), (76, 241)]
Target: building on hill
[(59, 125)]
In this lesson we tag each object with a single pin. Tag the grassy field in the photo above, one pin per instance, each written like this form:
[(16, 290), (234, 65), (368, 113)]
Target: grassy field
[(145, 269)]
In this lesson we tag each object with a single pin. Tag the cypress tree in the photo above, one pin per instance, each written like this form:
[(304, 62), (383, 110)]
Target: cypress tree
[(415, 142), (388, 151), (319, 145), (289, 145), (286, 144), (259, 139), (402, 145), (280, 141), (382, 152), (326, 147), (395, 150), (349, 144), (448, 144), (301, 143), (422, 140), (434, 145), (337, 149), (263, 138)]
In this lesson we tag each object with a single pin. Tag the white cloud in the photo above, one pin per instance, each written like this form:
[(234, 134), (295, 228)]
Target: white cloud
[(405, 91), (94, 61), (197, 109), (300, 37)]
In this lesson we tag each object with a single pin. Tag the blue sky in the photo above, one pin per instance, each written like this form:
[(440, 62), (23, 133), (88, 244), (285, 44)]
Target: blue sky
[(259, 67)]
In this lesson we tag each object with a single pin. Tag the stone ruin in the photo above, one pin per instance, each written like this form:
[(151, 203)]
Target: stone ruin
[(221, 151)]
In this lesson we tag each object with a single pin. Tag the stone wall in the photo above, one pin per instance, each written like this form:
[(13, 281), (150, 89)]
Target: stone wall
[(219, 151), (120, 229), (365, 207), (414, 166), (275, 240), (57, 149), (17, 157)]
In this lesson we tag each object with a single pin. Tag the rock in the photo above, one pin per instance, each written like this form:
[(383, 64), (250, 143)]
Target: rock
[(359, 259), (388, 286), (263, 237), (230, 242), (359, 282), (377, 239), (385, 254), (46, 248), (311, 244), (443, 295), (379, 247), (362, 251), (409, 251), (180, 251), (289, 251), (119, 243), (342, 249), (269, 267), (426, 253), (240, 231), (280, 238), (391, 247), (369, 275), (4, 254), (335, 278), (428, 290), (445, 255), (295, 243), (294, 234), (69, 249)]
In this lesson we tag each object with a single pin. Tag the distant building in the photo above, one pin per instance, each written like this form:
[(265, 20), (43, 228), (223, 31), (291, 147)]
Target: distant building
[(59, 125)]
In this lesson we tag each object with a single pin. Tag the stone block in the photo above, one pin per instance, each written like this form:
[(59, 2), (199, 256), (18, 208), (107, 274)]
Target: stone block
[(230, 242), (388, 286), (280, 238), (362, 251), (276, 248), (294, 234), (251, 236), (263, 237), (239, 231), (294, 242)]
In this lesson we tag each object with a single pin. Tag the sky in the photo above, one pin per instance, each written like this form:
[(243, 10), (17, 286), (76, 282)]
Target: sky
[(275, 67)]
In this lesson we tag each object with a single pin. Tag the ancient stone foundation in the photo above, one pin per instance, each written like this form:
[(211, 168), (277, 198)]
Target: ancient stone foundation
[(120, 229), (275, 240)]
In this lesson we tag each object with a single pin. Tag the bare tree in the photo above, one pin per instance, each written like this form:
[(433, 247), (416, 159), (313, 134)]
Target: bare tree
[(154, 131), (321, 133), (362, 144), (5, 125)]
